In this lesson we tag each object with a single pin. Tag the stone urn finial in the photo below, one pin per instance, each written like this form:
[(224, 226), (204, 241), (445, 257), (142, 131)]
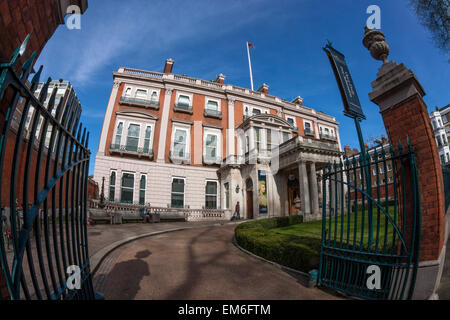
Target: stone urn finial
[(375, 42)]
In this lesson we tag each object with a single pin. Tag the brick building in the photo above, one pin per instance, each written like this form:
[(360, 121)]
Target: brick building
[(380, 174), (176, 141), (440, 122)]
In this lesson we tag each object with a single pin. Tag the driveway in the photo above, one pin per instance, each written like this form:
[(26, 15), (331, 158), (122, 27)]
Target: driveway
[(198, 263)]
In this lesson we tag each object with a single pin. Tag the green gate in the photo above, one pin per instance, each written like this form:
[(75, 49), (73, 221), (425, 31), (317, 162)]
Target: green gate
[(371, 224)]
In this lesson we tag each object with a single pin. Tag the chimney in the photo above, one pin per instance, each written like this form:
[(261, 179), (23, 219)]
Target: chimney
[(383, 138), (355, 150), (264, 88), (366, 145), (298, 100), (168, 66), (220, 79), (347, 150)]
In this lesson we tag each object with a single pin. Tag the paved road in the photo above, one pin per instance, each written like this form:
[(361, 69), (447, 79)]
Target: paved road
[(195, 264)]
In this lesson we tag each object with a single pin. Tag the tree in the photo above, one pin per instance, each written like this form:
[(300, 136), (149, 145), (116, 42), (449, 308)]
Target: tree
[(435, 16)]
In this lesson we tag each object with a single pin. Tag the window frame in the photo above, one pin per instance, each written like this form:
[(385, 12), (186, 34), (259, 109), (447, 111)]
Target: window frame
[(121, 186), (218, 134), (183, 193), (143, 124), (112, 186), (181, 93), (187, 129), (143, 175), (210, 194), (207, 99)]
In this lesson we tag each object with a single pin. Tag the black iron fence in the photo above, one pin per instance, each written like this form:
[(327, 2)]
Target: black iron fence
[(43, 189)]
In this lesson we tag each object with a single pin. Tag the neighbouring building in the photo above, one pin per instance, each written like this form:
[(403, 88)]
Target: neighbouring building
[(381, 172), (173, 141), (441, 128)]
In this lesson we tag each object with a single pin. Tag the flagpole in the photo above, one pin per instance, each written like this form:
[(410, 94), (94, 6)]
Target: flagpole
[(250, 67)]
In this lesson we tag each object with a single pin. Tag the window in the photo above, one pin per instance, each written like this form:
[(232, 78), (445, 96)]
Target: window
[(247, 144), (147, 144), (381, 170), (211, 146), (128, 92), (269, 139), (389, 167), (291, 121), (112, 185), (141, 94), (142, 185), (133, 137), (390, 180), (127, 188), (177, 197), (212, 105), (285, 136), (119, 134), (211, 195), (256, 111), (257, 138), (227, 195), (154, 97), (184, 101), (308, 127), (179, 144)]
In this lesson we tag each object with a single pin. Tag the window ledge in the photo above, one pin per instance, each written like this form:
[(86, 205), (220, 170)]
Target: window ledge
[(148, 104), (121, 150), (177, 108), (217, 114)]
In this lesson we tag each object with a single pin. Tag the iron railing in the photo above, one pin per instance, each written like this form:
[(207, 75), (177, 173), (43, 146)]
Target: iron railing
[(43, 183), (133, 150), (367, 226), (183, 108), (213, 113), (139, 102)]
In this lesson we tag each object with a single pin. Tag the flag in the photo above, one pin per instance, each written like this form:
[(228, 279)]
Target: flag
[(250, 45)]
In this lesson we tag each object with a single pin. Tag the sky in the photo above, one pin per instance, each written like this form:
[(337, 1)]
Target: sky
[(208, 37)]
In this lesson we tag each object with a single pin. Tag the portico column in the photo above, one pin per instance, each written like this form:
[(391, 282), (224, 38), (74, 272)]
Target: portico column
[(314, 192), (304, 188)]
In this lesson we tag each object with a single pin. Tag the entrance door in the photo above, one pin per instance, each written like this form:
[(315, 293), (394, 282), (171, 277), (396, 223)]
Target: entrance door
[(249, 191)]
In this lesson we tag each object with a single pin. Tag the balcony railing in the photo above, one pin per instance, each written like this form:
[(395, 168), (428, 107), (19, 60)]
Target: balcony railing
[(182, 108), (213, 113), (178, 158), (309, 132), (140, 102), (208, 159), (132, 150), (327, 137)]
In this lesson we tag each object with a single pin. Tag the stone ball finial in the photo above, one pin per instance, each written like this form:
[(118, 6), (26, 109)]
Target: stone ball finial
[(375, 42)]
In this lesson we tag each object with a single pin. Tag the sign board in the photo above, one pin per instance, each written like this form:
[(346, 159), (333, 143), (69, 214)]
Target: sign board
[(352, 106), (262, 192)]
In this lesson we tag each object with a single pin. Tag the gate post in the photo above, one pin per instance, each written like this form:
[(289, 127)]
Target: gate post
[(399, 95)]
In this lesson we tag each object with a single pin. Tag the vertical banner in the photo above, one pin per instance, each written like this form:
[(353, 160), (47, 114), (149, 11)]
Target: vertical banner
[(262, 192), (352, 106)]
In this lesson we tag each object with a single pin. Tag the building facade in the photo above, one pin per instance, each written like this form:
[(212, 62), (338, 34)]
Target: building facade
[(441, 128), (173, 141)]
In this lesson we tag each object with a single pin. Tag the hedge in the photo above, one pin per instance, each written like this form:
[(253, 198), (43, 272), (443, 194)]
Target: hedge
[(294, 251)]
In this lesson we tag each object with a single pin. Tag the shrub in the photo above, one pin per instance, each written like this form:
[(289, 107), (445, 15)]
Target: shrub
[(294, 251)]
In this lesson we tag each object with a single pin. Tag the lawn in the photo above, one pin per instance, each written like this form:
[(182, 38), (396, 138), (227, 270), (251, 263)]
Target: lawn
[(297, 245)]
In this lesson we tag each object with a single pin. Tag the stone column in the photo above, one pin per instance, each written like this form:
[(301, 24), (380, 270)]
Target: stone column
[(314, 192), (399, 94), (164, 124), (304, 188), (230, 130)]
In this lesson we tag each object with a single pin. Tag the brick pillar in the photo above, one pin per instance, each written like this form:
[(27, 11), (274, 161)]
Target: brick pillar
[(399, 94)]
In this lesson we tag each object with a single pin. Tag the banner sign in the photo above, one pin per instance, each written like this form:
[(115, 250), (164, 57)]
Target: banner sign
[(262, 192), (352, 106)]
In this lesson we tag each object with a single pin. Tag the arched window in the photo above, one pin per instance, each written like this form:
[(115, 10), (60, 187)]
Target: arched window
[(128, 92)]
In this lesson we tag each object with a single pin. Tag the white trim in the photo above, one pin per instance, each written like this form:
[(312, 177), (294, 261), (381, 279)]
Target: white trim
[(187, 129), (120, 184), (292, 118), (184, 93), (218, 134), (217, 192), (184, 190), (142, 127), (207, 99)]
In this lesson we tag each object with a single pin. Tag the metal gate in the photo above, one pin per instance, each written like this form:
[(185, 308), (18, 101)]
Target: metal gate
[(44, 163), (371, 224)]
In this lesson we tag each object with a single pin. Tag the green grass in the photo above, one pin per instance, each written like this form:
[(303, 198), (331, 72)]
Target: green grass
[(290, 242)]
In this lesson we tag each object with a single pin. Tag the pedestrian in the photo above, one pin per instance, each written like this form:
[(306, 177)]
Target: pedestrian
[(236, 214)]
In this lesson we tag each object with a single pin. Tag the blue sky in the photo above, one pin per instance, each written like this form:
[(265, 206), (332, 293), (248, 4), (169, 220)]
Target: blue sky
[(207, 37)]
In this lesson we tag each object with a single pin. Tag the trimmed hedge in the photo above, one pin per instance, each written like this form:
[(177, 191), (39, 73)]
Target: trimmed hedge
[(294, 251)]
